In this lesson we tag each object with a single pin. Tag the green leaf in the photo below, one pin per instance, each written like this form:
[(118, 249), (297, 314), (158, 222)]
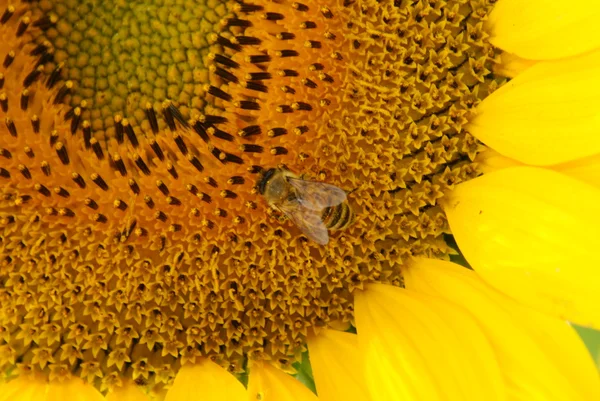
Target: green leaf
[(305, 374), (591, 339)]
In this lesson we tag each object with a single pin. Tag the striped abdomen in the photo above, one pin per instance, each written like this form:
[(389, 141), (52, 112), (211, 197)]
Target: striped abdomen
[(338, 217)]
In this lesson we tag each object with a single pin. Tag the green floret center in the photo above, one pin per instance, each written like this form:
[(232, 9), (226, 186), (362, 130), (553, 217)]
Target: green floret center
[(122, 55)]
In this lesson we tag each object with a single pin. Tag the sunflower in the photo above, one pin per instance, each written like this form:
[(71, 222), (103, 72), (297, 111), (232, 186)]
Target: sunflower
[(140, 260)]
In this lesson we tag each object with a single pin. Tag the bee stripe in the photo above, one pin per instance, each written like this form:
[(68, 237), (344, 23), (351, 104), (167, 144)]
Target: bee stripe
[(345, 219), (326, 215), (335, 218), (350, 217)]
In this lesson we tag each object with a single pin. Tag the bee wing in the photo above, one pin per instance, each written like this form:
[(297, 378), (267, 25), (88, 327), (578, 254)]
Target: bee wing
[(308, 221), (317, 195)]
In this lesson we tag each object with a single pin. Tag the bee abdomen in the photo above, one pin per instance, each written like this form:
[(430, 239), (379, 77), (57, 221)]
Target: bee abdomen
[(338, 217)]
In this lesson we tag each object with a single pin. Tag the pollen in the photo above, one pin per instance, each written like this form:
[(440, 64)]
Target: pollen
[(133, 238)]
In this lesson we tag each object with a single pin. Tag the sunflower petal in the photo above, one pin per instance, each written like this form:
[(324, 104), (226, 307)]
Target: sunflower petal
[(489, 160), (22, 389), (547, 115), (267, 383), (545, 29), (541, 357), (586, 170), (418, 347), (512, 65), (334, 359), (74, 389), (37, 388), (129, 392), (206, 381), (533, 233)]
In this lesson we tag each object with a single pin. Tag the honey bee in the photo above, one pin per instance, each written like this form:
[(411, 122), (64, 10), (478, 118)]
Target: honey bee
[(314, 207)]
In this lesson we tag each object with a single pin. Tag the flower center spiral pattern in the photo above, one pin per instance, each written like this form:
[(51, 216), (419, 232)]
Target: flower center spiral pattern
[(132, 237)]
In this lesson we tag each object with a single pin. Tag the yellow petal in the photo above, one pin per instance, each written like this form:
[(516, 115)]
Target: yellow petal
[(129, 392), (36, 388), (267, 383), (418, 347), (541, 357), (586, 170), (534, 234), (73, 390), (206, 381), (511, 65), (547, 115), (489, 160), (545, 29), (22, 389), (336, 362)]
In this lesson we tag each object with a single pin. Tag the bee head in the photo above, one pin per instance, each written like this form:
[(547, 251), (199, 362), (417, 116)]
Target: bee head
[(264, 179)]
